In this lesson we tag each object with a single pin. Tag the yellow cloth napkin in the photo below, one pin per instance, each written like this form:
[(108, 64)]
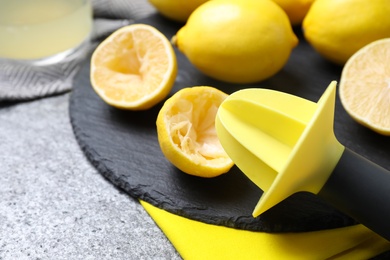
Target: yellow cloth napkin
[(198, 240)]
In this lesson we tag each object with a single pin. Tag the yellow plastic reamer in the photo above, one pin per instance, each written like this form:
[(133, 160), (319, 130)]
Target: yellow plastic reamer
[(286, 144)]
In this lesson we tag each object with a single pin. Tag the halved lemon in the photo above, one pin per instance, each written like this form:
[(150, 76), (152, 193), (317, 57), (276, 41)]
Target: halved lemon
[(365, 86), (187, 135), (134, 68)]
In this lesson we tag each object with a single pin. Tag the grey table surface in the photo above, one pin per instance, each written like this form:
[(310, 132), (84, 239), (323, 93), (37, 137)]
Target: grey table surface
[(53, 202)]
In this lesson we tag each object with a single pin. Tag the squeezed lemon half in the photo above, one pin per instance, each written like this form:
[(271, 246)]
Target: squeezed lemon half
[(187, 135), (134, 68)]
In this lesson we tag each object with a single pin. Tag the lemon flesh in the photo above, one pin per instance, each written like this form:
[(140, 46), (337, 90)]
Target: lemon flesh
[(365, 86)]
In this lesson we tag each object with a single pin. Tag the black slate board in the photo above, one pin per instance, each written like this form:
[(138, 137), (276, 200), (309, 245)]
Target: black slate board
[(123, 146)]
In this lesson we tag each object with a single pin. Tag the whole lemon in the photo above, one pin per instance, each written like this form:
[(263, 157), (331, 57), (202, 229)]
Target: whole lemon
[(295, 9), (339, 28), (177, 10), (237, 41)]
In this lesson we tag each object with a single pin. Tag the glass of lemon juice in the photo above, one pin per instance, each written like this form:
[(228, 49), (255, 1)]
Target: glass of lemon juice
[(43, 31)]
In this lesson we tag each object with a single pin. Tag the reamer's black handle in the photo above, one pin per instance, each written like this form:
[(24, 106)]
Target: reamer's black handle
[(360, 189)]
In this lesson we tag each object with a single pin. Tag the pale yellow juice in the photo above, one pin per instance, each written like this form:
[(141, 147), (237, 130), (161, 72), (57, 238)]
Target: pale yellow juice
[(35, 29)]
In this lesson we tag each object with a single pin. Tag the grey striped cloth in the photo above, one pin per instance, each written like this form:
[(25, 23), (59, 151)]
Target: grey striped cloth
[(22, 82)]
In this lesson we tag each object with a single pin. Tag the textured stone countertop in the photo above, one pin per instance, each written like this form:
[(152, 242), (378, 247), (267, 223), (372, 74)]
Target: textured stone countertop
[(54, 204)]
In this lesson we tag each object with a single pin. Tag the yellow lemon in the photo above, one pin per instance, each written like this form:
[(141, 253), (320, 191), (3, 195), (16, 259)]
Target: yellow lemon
[(295, 9), (187, 135), (177, 10), (237, 41), (339, 28), (365, 86), (134, 68)]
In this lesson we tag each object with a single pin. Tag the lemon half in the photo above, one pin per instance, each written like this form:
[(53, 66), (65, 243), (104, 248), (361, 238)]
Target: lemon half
[(365, 86), (187, 135), (134, 68)]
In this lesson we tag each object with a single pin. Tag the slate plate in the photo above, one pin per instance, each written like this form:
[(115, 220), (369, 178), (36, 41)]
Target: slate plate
[(123, 146)]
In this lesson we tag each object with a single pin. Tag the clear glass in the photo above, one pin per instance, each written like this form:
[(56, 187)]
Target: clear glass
[(43, 31)]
